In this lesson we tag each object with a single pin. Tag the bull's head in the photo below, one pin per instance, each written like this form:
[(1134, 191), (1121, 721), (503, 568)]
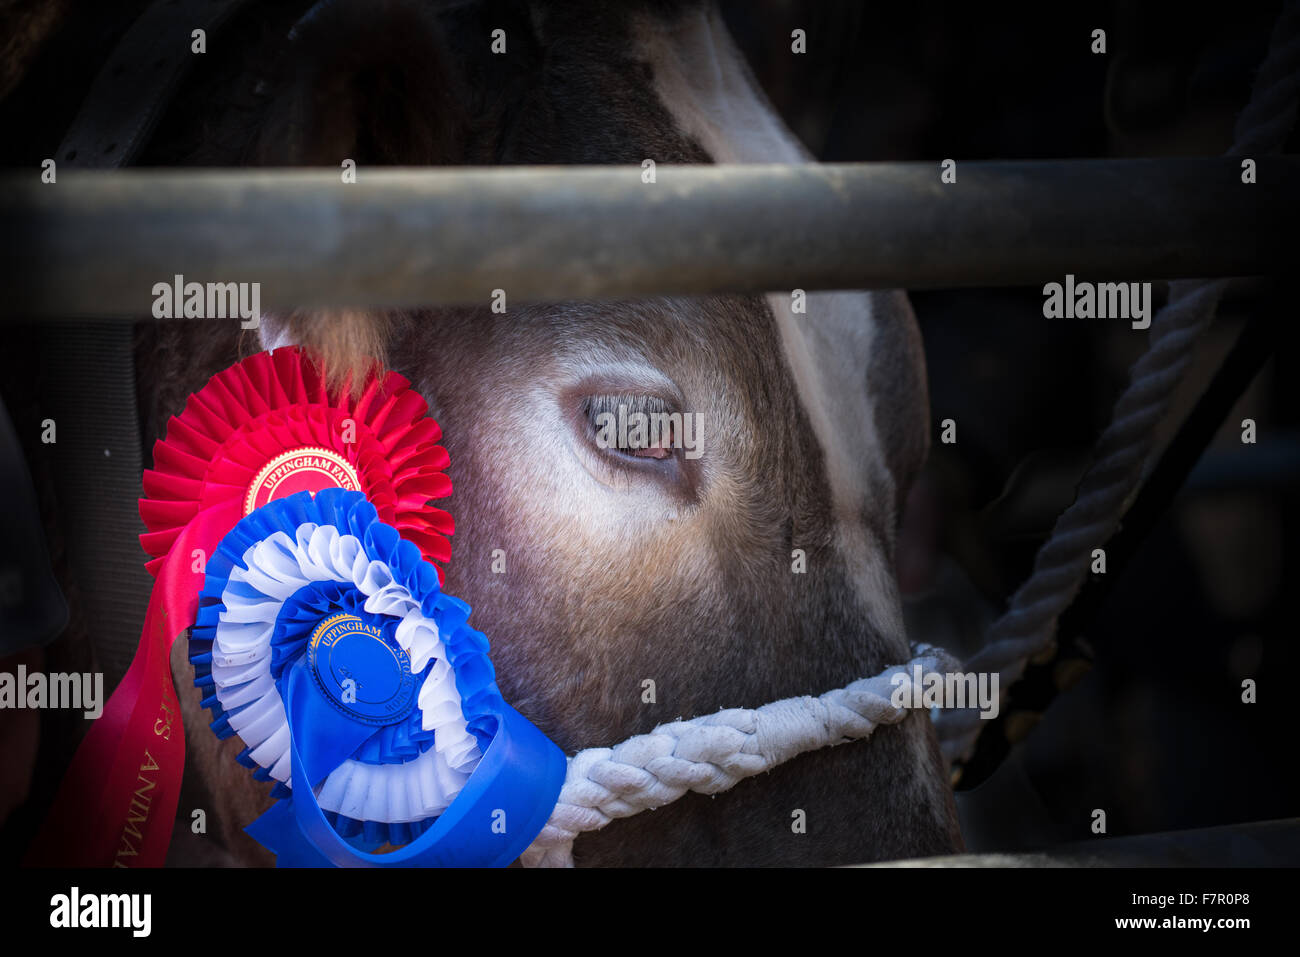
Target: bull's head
[(757, 565)]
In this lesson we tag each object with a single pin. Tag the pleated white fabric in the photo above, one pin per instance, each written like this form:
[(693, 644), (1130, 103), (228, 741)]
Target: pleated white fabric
[(241, 669)]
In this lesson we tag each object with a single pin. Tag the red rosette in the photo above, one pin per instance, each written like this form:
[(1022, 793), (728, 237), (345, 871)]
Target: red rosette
[(269, 427), (261, 430)]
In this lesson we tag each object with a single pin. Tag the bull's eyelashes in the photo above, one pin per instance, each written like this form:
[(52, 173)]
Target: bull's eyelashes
[(627, 437), (640, 426)]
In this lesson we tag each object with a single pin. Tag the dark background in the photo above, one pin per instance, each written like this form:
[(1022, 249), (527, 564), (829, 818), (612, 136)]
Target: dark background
[(1157, 735)]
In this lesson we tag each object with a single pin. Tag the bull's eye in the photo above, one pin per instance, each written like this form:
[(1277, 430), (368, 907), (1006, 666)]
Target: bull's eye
[(639, 427), (630, 431)]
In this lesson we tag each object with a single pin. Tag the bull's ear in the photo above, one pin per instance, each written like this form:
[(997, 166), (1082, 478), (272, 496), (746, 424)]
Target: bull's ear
[(367, 80)]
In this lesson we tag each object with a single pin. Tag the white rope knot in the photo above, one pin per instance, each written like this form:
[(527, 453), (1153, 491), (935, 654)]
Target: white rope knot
[(710, 754)]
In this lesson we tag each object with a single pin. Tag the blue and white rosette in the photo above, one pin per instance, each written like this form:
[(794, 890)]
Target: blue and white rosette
[(324, 642)]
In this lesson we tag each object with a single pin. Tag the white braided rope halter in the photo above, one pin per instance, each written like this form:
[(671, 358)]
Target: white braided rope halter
[(710, 754)]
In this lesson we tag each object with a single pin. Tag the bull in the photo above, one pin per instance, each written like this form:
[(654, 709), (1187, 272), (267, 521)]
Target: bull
[(761, 569)]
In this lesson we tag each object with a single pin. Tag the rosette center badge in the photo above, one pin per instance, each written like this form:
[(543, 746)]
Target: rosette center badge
[(307, 469), (361, 673)]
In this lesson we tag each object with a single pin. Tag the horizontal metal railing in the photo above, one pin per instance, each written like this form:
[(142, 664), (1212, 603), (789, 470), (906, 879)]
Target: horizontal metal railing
[(96, 242)]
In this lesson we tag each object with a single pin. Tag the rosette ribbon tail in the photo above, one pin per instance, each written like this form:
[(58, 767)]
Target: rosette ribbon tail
[(117, 802), (501, 809)]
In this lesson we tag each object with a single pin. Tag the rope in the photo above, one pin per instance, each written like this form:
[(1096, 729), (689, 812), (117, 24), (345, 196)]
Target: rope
[(1028, 628), (712, 753)]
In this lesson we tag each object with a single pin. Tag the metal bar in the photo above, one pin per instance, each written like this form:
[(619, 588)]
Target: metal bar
[(96, 242)]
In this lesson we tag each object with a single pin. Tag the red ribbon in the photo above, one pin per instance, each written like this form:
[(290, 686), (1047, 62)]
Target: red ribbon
[(117, 803), (116, 806)]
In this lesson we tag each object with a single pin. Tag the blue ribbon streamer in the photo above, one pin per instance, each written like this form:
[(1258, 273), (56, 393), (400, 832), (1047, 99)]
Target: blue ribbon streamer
[(498, 813), (511, 793)]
